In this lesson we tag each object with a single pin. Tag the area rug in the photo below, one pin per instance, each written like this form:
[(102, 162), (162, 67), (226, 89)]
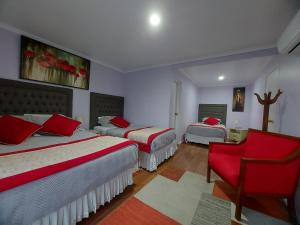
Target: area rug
[(135, 212), (177, 200), (212, 211), (184, 198)]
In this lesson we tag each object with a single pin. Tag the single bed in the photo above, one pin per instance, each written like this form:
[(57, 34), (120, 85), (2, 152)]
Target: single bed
[(57, 190), (203, 133), (163, 140)]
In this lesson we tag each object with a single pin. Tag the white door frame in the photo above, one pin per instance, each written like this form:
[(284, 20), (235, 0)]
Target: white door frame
[(175, 108)]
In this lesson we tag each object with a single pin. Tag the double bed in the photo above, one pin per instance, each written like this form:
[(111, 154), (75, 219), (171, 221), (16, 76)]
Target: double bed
[(203, 133), (155, 144), (51, 180)]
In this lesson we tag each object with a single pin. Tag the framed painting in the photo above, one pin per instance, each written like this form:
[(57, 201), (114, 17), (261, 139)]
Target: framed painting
[(238, 102), (41, 62)]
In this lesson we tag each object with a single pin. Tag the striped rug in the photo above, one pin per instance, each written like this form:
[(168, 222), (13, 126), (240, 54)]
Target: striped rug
[(212, 211)]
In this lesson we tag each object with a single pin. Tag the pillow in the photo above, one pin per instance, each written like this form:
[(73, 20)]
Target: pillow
[(120, 122), (60, 125), (205, 118), (105, 121), (15, 130), (37, 118), (212, 121)]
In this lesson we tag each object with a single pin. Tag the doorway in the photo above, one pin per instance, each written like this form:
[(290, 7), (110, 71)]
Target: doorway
[(175, 108)]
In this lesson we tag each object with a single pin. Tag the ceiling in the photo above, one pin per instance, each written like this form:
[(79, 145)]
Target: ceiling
[(116, 32), (238, 72)]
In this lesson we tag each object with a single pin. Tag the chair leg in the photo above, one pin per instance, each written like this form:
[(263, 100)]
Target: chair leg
[(291, 209), (238, 206), (208, 174)]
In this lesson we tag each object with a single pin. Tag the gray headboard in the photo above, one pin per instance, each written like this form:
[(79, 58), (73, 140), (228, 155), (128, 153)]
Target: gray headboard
[(18, 98), (215, 110), (104, 105)]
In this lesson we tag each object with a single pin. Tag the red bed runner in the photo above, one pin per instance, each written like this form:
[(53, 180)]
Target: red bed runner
[(145, 146), (101, 145)]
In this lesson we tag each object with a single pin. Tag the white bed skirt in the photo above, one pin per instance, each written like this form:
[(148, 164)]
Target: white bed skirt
[(201, 139), (75, 211), (150, 161)]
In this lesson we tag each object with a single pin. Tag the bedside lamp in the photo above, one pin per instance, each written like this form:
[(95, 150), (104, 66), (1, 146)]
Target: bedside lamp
[(236, 123)]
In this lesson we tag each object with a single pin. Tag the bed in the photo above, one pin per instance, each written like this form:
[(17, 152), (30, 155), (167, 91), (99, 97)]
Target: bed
[(203, 133), (163, 140), (87, 171)]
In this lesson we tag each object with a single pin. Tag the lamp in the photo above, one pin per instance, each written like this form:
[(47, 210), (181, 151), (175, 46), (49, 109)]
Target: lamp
[(236, 123)]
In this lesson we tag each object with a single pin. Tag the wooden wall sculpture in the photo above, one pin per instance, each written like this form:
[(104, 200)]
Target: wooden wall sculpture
[(266, 102)]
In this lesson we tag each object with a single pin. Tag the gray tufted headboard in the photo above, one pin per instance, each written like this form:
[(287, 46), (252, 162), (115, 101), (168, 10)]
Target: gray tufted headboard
[(104, 105), (18, 98), (215, 110)]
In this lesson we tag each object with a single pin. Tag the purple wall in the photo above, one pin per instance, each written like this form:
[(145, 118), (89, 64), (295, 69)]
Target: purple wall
[(102, 79), (224, 95), (148, 97)]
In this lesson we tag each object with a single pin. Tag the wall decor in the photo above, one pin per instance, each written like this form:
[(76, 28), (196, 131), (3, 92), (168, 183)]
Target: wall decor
[(41, 62), (238, 102)]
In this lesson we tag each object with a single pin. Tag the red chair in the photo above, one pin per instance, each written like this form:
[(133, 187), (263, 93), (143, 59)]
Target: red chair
[(264, 164)]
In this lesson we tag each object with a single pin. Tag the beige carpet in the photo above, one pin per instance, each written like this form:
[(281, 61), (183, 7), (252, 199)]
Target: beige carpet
[(178, 200)]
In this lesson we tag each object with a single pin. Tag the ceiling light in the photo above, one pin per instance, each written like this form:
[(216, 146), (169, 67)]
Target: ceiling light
[(221, 77), (154, 20)]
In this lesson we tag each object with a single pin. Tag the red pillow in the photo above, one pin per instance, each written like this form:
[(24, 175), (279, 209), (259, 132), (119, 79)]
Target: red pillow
[(120, 122), (60, 125), (15, 130), (211, 121)]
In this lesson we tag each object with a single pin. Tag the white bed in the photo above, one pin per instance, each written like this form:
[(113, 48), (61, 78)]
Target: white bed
[(67, 197), (163, 146), (204, 134)]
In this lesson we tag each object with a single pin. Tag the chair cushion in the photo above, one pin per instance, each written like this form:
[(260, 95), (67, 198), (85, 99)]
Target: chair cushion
[(226, 166), (262, 145)]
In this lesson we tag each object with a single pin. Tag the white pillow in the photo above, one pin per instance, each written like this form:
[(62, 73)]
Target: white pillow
[(37, 118), (105, 121)]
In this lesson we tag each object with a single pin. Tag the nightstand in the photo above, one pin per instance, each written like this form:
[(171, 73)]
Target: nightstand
[(237, 135)]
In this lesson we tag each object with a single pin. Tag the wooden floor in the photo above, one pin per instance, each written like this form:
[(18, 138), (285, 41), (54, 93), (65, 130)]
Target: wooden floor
[(190, 157)]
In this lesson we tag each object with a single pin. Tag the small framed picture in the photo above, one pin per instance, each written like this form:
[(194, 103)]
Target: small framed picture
[(238, 102)]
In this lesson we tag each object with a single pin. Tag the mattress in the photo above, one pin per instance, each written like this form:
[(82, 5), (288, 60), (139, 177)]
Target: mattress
[(206, 131), (159, 142), (27, 203)]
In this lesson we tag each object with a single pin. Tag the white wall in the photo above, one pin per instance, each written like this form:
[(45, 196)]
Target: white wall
[(148, 98), (224, 95)]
